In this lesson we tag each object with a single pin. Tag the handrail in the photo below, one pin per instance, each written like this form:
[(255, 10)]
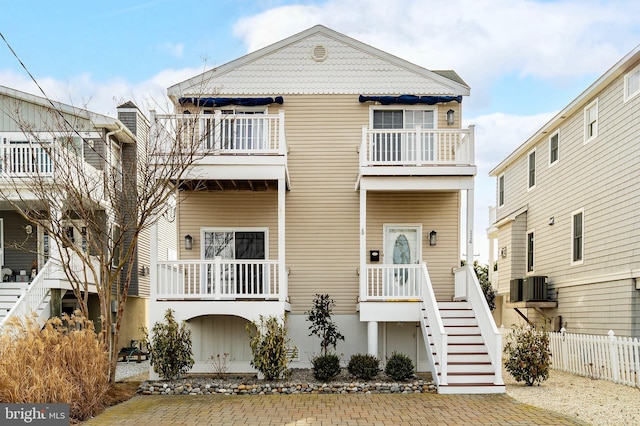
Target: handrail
[(218, 279), (393, 281), (488, 328), (438, 333), (33, 297), (416, 146)]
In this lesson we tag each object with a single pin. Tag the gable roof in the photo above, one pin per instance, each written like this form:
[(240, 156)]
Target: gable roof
[(620, 68), (320, 61)]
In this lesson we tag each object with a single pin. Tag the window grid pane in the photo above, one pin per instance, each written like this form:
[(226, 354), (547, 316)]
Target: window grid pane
[(532, 169)]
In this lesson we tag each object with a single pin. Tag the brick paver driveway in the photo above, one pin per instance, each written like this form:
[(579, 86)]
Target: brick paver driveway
[(373, 409)]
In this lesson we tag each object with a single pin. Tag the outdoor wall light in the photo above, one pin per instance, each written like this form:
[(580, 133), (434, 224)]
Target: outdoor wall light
[(188, 242), (432, 238), (450, 117)]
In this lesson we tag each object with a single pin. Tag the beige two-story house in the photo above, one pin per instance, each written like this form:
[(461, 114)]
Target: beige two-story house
[(565, 226), (329, 166)]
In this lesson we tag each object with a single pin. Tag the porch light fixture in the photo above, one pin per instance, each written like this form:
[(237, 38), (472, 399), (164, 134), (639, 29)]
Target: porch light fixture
[(432, 238), (450, 117), (188, 242)]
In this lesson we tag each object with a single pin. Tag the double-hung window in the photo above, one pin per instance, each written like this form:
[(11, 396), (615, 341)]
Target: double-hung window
[(591, 121), (531, 169), (577, 237), (530, 250), (554, 148), (501, 190), (632, 84)]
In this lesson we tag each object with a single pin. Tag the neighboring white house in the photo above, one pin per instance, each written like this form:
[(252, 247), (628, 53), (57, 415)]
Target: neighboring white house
[(566, 219), (330, 167), (32, 129)]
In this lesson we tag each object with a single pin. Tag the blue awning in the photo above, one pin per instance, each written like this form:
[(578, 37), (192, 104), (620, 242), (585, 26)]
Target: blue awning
[(410, 99), (220, 102)]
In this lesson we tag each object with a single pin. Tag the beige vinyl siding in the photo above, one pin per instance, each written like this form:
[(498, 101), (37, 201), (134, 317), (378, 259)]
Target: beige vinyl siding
[(323, 135), (437, 211), (231, 209)]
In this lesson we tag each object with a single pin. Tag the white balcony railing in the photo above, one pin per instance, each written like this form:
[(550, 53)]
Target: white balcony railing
[(416, 147), (222, 133), (26, 159), (219, 279), (397, 282)]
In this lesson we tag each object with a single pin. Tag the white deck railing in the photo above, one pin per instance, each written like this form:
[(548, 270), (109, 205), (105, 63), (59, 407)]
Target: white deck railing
[(32, 299), (397, 282), (218, 279), (417, 147), (467, 287), (223, 133), (433, 330)]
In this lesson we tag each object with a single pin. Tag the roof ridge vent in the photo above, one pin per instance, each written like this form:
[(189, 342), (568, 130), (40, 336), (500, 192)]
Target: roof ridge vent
[(319, 53)]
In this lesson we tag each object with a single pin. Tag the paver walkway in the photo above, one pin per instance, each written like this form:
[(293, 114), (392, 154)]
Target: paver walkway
[(373, 409)]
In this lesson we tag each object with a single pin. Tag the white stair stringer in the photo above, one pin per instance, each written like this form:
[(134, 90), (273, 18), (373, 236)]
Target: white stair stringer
[(20, 299), (469, 367)]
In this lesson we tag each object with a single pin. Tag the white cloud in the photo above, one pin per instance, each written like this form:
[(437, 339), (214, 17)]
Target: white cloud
[(174, 49), (479, 39)]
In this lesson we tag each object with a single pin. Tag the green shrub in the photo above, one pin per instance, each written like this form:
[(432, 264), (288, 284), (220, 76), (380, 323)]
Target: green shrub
[(399, 367), (528, 355), (64, 361), (321, 323), (270, 347), (364, 366), (326, 367), (170, 348)]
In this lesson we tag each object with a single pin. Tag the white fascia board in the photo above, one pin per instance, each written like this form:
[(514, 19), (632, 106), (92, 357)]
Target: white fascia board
[(422, 183)]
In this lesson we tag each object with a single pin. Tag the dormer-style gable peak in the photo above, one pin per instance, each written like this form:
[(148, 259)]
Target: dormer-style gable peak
[(320, 61)]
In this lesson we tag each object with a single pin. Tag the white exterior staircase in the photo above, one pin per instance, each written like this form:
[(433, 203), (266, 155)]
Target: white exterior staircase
[(469, 365)]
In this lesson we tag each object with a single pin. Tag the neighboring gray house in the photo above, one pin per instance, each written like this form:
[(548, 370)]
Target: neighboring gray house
[(30, 279), (567, 209)]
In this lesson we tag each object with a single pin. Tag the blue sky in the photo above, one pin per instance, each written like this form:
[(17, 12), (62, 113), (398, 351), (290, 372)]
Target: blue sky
[(524, 59)]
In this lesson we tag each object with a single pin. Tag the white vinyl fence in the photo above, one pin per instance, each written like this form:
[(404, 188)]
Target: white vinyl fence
[(611, 358)]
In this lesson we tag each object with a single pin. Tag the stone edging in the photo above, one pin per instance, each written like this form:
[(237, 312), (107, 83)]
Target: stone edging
[(213, 387)]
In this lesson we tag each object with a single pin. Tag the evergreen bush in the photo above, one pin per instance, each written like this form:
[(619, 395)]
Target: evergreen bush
[(170, 348), (399, 367), (364, 366), (270, 347), (326, 367), (528, 355)]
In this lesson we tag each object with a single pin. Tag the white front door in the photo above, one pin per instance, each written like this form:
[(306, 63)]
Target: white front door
[(402, 246)]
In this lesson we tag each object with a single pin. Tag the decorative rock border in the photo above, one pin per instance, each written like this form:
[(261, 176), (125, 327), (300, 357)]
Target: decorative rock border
[(217, 387)]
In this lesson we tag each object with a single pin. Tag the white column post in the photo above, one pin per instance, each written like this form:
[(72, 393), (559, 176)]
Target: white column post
[(282, 268), (469, 230), (363, 244), (372, 338), (153, 313), (613, 353)]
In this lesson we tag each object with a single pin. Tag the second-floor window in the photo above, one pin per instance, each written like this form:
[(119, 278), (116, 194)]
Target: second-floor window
[(554, 148), (632, 84), (116, 166), (577, 234), (501, 190), (591, 121), (530, 248), (532, 169)]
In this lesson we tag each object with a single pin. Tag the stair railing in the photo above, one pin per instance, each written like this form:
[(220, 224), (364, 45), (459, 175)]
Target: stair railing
[(35, 294), (434, 323), (488, 328)]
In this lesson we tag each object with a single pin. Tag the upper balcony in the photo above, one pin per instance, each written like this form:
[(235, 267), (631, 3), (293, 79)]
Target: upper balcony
[(239, 147), (416, 152), (23, 163)]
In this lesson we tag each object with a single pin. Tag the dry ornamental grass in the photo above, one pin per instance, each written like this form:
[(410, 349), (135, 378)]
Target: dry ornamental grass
[(64, 362)]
